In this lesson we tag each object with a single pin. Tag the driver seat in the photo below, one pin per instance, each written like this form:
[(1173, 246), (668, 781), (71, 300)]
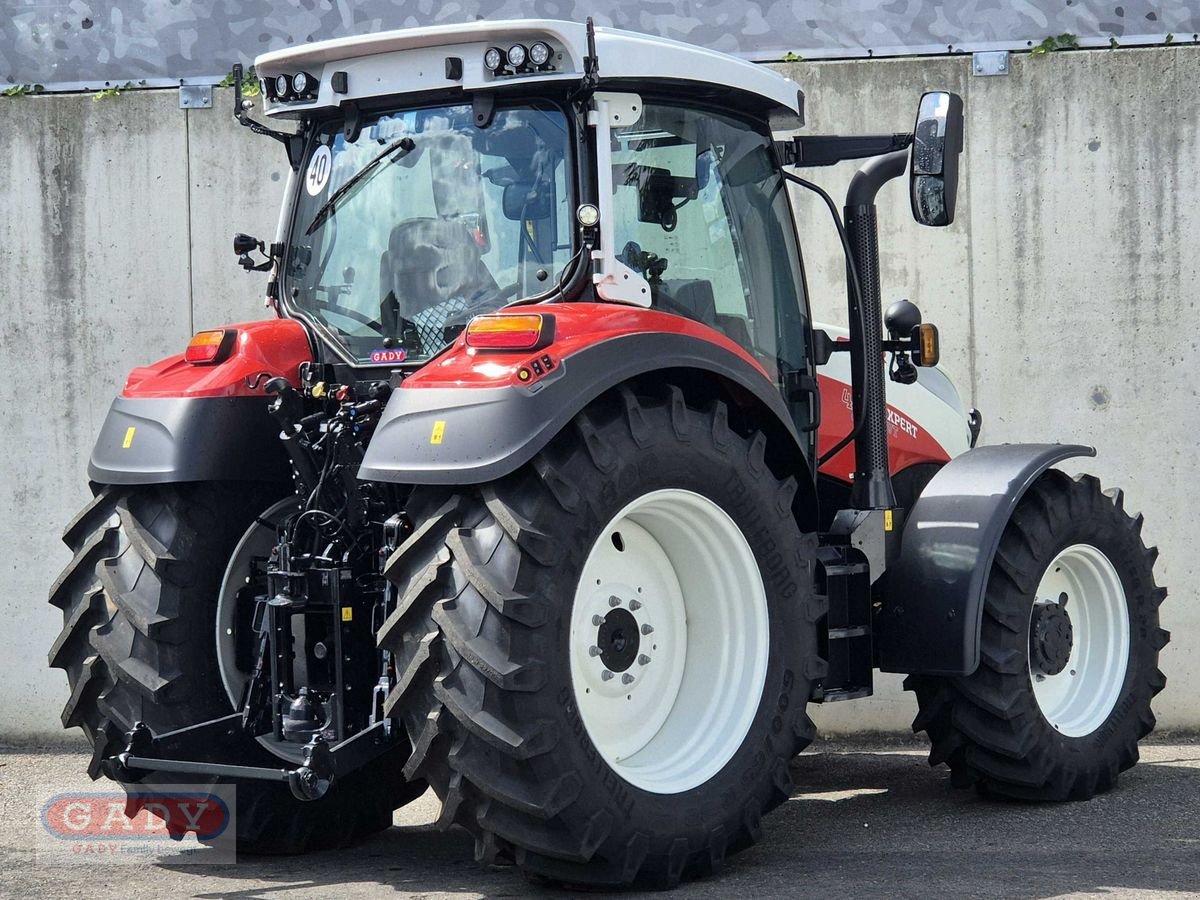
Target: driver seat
[(431, 270)]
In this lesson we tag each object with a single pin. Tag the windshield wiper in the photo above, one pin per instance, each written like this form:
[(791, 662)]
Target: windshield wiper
[(359, 178)]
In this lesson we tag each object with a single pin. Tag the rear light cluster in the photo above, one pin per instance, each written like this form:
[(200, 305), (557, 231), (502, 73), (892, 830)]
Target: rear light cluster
[(518, 59), (207, 348), (510, 332)]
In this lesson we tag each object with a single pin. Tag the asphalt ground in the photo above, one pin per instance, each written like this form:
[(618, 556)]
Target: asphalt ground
[(865, 821)]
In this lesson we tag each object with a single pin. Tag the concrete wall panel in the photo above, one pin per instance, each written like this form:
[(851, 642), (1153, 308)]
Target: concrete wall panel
[(94, 280), (237, 181)]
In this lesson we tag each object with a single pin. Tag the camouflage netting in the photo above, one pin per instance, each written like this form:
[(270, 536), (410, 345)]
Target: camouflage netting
[(69, 44)]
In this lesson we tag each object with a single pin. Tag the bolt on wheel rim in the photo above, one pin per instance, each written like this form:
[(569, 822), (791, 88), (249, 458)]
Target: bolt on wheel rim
[(1078, 697), (669, 641)]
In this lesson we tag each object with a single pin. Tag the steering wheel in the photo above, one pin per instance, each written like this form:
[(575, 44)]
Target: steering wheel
[(353, 314)]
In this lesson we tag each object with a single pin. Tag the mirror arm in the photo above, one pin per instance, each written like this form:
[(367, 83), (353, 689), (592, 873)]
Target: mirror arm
[(828, 149)]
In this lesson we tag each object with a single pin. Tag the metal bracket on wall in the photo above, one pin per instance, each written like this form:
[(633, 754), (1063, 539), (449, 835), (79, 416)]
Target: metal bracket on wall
[(990, 62), (195, 96)]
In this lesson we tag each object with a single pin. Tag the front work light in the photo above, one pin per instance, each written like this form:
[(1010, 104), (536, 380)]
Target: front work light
[(510, 332), (207, 348), (587, 215), (301, 82), (283, 86), (493, 59), (539, 53), (517, 55)]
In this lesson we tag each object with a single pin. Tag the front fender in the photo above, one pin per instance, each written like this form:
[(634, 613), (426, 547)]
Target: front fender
[(932, 610)]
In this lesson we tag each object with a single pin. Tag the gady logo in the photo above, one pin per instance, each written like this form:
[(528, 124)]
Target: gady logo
[(154, 815)]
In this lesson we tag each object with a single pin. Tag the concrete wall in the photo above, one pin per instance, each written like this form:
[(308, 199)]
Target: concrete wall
[(1063, 293)]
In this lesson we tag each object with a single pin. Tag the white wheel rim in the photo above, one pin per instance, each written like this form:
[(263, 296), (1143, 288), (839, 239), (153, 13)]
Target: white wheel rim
[(671, 719), (1079, 699)]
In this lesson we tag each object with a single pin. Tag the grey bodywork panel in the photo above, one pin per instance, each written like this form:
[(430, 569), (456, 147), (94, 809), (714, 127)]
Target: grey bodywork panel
[(488, 433), (933, 604), (188, 439), (72, 44)]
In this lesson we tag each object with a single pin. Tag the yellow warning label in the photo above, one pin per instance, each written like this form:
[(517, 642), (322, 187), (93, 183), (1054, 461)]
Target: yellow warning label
[(347, 614), (887, 520), (128, 442), (439, 429)]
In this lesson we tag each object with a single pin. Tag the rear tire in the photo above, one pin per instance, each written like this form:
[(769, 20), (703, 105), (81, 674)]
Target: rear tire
[(1058, 717), (138, 644), (488, 679)]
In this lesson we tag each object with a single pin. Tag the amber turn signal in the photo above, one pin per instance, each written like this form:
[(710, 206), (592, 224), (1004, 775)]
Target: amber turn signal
[(510, 332), (928, 350), (207, 348)]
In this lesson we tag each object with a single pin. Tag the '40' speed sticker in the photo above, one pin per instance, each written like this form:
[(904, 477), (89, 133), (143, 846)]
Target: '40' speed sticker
[(319, 168)]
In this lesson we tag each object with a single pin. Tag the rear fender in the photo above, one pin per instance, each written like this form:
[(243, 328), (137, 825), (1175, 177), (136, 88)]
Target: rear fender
[(932, 607), (468, 418), (178, 422)]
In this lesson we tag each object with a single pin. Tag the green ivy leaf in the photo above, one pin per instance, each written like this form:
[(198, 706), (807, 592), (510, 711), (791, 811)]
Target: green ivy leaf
[(1064, 41), (250, 83), (22, 90)]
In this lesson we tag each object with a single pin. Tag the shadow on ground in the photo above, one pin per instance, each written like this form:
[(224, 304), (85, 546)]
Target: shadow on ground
[(870, 824)]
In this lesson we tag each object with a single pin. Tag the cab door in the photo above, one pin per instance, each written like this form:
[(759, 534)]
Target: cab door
[(701, 212)]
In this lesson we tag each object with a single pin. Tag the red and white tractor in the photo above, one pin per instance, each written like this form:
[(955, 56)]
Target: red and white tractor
[(541, 488)]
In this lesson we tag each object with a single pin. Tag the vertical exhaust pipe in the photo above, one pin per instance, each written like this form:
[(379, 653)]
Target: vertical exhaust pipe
[(872, 476)]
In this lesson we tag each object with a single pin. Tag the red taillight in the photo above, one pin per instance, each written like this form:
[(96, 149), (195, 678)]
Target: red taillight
[(510, 332), (207, 348)]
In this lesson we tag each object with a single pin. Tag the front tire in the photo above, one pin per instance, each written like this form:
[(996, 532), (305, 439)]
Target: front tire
[(504, 592), (1069, 653), (138, 643)]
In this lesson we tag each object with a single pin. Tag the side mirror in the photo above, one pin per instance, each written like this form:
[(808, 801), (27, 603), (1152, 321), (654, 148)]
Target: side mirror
[(244, 243), (522, 201), (937, 142)]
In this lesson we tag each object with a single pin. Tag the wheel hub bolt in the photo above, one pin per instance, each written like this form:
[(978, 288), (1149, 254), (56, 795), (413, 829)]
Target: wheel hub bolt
[(647, 629), (597, 621), (626, 678), (635, 605), (614, 601), (643, 659), (594, 651), (606, 675)]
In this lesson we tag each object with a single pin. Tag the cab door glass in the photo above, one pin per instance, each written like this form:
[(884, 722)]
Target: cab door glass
[(701, 212)]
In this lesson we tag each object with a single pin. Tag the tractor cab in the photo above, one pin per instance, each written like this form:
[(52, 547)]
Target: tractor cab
[(500, 175)]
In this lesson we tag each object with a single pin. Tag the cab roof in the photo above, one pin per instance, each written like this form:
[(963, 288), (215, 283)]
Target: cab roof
[(417, 60)]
